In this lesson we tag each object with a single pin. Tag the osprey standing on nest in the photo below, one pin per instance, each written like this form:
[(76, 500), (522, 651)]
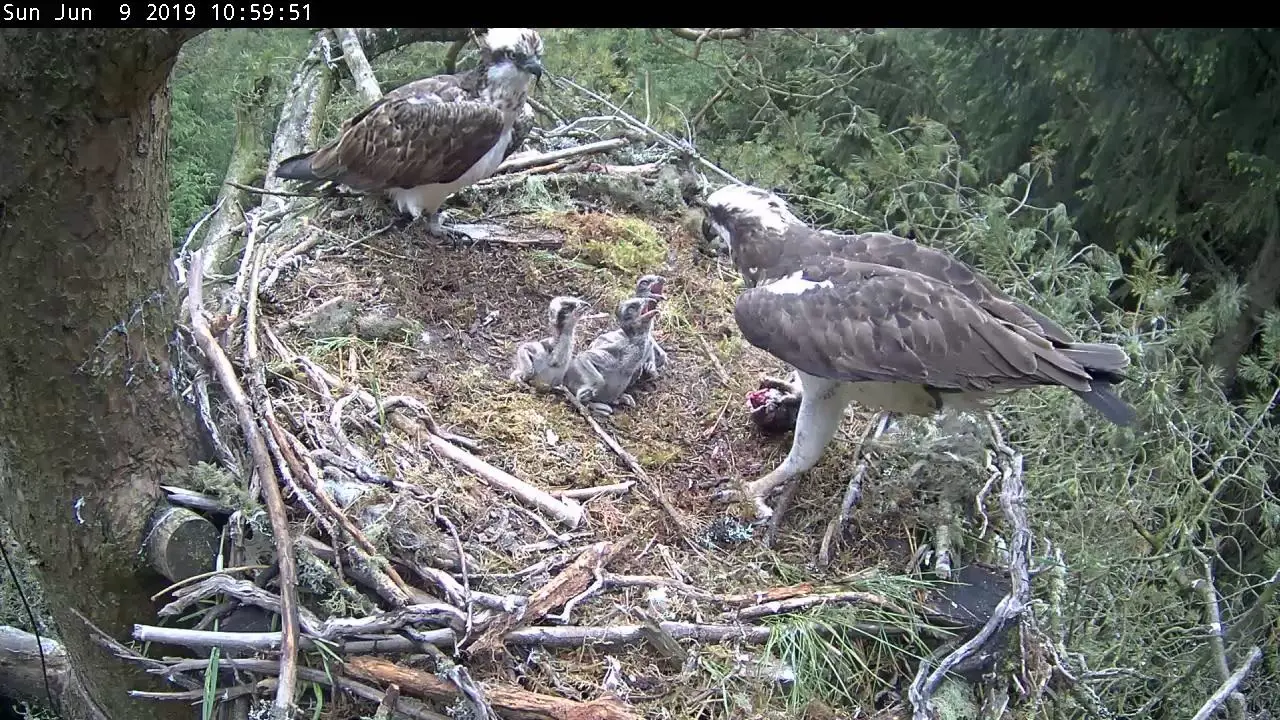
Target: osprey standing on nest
[(430, 138), (886, 323)]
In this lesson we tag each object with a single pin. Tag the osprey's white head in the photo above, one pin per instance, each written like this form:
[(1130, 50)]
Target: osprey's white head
[(736, 209), (512, 58)]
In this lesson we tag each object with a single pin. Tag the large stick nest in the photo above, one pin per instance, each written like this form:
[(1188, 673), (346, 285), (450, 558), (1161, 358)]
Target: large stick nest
[(384, 358)]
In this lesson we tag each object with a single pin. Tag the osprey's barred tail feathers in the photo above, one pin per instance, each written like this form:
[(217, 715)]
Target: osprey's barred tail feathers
[(1104, 362), (297, 167)]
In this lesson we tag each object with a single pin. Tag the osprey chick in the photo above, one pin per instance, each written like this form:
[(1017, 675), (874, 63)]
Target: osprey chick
[(600, 376), (891, 325), (655, 356), (542, 363), (430, 138)]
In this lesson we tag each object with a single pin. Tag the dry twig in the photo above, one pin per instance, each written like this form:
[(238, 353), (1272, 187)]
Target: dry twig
[(288, 668)]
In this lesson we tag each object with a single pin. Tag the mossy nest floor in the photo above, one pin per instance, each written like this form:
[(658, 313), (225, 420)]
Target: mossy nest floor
[(690, 429)]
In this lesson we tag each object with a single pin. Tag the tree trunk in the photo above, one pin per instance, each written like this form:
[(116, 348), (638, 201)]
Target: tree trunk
[(90, 423), (1262, 287)]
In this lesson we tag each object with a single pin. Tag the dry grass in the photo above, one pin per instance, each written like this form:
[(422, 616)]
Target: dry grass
[(689, 431)]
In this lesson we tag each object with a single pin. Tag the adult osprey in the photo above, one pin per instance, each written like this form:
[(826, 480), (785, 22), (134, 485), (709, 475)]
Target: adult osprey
[(429, 138), (879, 320)]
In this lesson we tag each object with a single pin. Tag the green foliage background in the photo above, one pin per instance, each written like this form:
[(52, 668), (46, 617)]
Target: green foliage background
[(1125, 182)]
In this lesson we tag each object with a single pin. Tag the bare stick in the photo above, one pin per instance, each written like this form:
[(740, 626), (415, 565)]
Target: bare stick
[(528, 160), (711, 33), (660, 136), (1013, 502), (333, 511), (353, 53), (568, 511), (510, 700), (312, 239), (282, 193), (265, 667), (721, 374), (778, 607), (550, 636), (852, 493), (282, 707), (568, 584), (588, 493), (1228, 687), (632, 464)]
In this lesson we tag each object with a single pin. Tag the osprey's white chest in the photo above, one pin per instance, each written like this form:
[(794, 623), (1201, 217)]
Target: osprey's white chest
[(429, 198)]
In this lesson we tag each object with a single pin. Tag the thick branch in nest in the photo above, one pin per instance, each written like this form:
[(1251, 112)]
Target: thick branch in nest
[(551, 636), (270, 486), (23, 678), (180, 543), (567, 511), (509, 700)]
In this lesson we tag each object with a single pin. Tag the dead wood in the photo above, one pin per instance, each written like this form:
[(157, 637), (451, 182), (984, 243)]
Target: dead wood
[(180, 543), (567, 511), (778, 607), (701, 34), (377, 41), (247, 153), (367, 88), (378, 564), (511, 701), (283, 705), (23, 677), (358, 642), (563, 587), (525, 160), (409, 708), (852, 494), (1012, 606), (302, 111)]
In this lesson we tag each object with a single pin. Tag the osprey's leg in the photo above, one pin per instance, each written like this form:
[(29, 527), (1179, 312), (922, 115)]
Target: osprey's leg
[(522, 370), (821, 410), (451, 236)]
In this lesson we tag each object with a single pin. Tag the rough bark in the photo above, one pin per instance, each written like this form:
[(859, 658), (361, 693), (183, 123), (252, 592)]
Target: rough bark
[(90, 424)]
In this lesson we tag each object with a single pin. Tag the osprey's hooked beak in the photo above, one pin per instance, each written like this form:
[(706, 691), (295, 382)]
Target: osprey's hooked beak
[(533, 66), (595, 316)]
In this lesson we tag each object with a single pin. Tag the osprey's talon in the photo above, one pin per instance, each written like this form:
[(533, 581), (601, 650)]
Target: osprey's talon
[(600, 408), (732, 494), (774, 383), (625, 400)]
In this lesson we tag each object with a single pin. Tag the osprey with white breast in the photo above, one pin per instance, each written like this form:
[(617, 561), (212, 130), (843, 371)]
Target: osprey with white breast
[(886, 323), (430, 138)]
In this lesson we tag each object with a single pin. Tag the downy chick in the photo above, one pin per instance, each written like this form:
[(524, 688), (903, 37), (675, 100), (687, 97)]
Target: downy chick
[(648, 286), (600, 376), (542, 363)]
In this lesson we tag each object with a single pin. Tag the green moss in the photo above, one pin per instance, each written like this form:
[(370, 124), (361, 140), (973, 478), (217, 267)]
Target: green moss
[(624, 244)]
